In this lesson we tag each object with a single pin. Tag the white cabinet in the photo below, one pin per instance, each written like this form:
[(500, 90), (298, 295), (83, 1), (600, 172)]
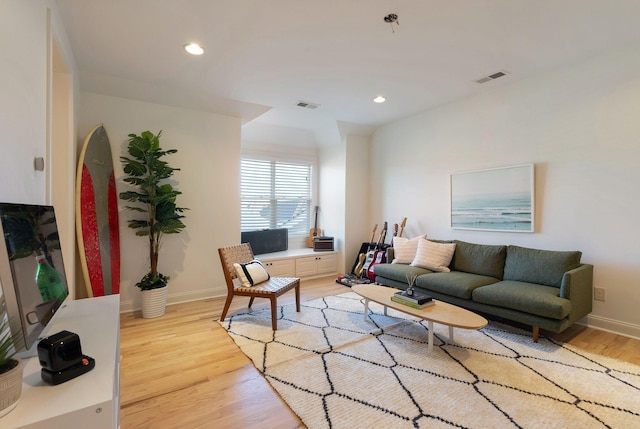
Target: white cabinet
[(317, 265), (91, 400), (300, 263), (281, 267)]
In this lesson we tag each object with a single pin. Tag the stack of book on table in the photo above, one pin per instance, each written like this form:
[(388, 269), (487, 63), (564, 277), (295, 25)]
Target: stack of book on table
[(417, 300)]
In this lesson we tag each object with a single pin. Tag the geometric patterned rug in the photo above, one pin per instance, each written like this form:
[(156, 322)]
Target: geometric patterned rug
[(335, 370)]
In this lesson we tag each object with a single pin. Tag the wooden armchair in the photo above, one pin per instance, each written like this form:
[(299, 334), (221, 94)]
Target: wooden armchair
[(272, 288)]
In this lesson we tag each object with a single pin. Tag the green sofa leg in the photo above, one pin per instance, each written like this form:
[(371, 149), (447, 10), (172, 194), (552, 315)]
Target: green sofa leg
[(536, 333)]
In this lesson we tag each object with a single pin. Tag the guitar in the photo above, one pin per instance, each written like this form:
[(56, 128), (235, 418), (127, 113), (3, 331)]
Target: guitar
[(313, 232), (380, 255), (403, 223), (371, 254), (363, 256), (395, 232)]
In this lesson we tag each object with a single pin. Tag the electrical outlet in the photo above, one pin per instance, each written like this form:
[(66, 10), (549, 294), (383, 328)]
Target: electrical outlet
[(599, 294)]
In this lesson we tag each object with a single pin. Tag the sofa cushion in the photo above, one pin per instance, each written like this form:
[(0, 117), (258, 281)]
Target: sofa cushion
[(545, 267), (526, 297), (405, 249), (398, 272), (455, 283), (434, 256), (483, 259)]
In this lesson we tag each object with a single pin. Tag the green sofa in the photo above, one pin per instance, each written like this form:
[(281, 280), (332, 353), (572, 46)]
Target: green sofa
[(542, 288)]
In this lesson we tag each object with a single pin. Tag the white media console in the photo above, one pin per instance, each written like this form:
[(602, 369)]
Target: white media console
[(304, 263), (91, 400)]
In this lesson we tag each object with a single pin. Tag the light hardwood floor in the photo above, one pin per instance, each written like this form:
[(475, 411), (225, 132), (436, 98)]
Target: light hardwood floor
[(183, 371)]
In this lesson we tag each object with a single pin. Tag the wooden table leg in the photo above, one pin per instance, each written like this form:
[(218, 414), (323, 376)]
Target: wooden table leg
[(451, 334), (430, 337), (366, 309)]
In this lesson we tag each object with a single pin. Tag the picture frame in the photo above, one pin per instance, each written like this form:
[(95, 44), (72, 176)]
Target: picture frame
[(496, 199)]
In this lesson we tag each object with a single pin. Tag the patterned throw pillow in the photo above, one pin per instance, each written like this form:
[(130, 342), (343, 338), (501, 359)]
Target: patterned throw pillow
[(251, 273), (404, 249), (434, 256)]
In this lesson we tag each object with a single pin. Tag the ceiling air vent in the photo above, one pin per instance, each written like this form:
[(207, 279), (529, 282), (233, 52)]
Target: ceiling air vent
[(492, 76), (307, 105)]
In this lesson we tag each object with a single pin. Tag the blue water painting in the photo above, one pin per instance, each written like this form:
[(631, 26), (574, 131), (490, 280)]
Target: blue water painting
[(505, 211)]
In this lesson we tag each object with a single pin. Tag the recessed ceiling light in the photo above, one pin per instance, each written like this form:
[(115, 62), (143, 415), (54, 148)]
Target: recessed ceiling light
[(379, 99), (194, 49)]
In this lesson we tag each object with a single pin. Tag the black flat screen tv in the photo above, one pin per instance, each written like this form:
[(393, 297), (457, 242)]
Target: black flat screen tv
[(32, 275)]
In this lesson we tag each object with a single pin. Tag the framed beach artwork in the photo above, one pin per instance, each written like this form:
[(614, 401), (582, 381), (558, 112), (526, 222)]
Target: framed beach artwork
[(497, 199)]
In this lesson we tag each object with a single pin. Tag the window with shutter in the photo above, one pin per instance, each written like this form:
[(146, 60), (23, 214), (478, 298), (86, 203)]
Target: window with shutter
[(276, 194)]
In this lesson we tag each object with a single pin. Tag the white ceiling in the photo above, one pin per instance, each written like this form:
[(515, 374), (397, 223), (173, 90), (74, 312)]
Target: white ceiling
[(263, 56)]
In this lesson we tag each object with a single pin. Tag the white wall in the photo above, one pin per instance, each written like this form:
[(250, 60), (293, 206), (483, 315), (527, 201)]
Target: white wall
[(62, 154), (580, 126), (332, 197), (209, 158), (36, 109), (23, 105), (357, 198)]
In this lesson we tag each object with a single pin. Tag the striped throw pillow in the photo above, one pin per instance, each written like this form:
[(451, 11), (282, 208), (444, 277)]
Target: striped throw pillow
[(404, 249), (434, 256)]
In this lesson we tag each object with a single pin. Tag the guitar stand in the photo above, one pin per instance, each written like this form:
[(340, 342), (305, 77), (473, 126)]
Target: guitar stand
[(351, 279)]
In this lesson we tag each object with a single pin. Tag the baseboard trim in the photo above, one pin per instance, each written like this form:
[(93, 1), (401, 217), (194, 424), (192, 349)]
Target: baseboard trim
[(614, 326), (178, 298)]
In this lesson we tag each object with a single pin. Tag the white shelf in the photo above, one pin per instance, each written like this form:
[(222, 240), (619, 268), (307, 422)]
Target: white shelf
[(91, 400)]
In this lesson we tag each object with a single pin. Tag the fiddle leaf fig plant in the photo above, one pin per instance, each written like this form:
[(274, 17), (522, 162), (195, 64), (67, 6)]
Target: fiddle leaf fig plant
[(148, 173)]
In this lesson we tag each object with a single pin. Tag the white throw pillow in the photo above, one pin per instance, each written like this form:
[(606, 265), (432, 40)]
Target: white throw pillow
[(434, 256), (251, 273), (404, 249)]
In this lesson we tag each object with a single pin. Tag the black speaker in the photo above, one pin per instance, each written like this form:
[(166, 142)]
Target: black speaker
[(266, 240), (60, 351), (322, 244), (62, 359)]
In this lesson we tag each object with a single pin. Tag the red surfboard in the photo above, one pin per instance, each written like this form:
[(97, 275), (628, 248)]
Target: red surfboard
[(97, 216)]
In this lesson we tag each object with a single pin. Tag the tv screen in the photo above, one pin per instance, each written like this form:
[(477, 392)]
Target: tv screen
[(35, 284)]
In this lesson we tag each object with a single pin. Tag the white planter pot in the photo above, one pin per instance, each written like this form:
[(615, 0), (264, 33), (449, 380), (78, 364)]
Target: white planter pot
[(154, 302), (10, 388)]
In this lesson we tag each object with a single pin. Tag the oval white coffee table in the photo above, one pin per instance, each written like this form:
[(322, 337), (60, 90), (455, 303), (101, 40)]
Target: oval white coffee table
[(442, 312)]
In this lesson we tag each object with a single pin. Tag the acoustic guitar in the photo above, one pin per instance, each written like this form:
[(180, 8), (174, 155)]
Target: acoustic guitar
[(363, 256), (313, 232)]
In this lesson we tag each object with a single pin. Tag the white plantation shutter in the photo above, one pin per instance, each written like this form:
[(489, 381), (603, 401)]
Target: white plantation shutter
[(276, 194)]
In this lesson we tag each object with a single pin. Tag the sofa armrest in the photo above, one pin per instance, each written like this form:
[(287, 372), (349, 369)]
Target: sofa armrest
[(577, 287), (390, 254)]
